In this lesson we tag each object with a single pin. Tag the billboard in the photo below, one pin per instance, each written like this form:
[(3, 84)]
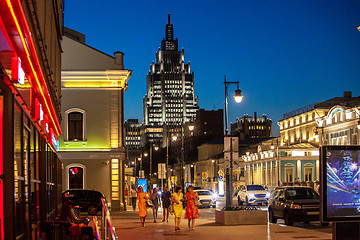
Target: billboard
[(142, 182), (340, 183)]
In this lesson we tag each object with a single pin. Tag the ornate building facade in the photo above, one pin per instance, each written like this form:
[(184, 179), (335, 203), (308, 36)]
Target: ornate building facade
[(92, 146)]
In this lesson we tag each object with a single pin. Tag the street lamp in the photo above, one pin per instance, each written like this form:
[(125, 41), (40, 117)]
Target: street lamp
[(191, 128), (145, 154), (173, 138), (238, 98)]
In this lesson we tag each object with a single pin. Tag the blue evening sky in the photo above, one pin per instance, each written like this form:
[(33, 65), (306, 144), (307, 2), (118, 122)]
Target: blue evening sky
[(286, 53)]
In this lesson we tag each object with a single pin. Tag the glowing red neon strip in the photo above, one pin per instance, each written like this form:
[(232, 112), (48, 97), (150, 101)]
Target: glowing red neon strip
[(96, 227), (51, 113), (106, 210), (1, 166)]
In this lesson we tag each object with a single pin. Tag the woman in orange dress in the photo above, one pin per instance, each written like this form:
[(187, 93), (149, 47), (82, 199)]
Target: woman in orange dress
[(191, 211), (142, 197)]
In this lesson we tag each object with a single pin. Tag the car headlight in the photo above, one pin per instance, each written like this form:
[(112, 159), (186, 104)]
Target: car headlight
[(215, 196), (251, 195), (268, 195), (295, 206)]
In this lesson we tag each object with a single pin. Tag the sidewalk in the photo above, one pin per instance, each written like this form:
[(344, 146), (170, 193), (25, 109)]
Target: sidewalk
[(127, 226)]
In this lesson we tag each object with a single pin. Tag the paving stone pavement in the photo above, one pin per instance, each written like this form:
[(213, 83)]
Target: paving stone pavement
[(127, 226)]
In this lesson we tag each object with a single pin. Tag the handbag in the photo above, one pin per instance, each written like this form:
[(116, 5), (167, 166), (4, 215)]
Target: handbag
[(149, 203), (171, 209), (196, 200)]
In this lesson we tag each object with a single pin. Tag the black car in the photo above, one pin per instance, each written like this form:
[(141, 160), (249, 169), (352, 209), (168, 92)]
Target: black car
[(88, 200), (294, 204)]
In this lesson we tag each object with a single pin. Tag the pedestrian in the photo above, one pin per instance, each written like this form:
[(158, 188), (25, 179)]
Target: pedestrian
[(133, 197), (191, 212), (165, 198), (142, 197), (155, 199), (177, 198)]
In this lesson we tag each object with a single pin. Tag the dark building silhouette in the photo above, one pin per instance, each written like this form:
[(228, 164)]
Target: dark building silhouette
[(248, 127), (209, 124)]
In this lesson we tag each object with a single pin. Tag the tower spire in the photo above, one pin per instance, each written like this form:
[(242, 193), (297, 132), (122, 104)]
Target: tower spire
[(168, 18)]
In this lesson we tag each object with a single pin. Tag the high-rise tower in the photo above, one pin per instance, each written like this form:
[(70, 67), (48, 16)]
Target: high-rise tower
[(170, 99)]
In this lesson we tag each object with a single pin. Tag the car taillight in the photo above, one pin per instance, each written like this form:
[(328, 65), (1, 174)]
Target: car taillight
[(295, 206)]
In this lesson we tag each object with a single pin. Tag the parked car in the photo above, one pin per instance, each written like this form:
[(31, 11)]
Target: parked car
[(294, 204), (253, 194), (88, 200), (206, 198)]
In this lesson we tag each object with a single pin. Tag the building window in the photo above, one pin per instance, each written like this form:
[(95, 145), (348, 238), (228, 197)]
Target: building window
[(308, 171), (289, 174), (75, 124), (75, 176)]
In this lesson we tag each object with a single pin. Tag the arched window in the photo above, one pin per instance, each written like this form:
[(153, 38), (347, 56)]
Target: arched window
[(76, 177), (75, 120), (75, 126)]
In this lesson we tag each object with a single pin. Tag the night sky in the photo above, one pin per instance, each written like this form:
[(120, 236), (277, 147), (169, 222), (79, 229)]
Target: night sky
[(286, 54)]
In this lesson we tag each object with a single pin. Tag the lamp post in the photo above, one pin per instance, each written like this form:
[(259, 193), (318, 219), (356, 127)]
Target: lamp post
[(191, 128), (238, 99), (168, 139), (150, 167)]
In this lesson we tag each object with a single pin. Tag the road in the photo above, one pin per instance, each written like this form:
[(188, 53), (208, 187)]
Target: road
[(312, 225)]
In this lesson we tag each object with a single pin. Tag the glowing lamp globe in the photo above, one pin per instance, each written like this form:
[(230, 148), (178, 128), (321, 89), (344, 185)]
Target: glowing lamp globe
[(238, 98)]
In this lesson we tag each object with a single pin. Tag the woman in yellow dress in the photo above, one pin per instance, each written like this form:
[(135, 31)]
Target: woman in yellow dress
[(177, 198), (142, 197)]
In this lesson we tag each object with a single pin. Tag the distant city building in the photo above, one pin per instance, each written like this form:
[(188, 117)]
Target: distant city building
[(132, 143), (132, 133), (170, 99), (248, 127), (92, 146)]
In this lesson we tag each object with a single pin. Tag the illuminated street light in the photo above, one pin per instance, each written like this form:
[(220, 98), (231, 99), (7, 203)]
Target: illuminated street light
[(191, 127), (238, 98), (229, 171)]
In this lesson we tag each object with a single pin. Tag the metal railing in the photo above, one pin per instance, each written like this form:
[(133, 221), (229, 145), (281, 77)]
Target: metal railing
[(107, 228)]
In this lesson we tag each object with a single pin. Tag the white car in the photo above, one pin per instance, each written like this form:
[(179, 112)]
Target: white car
[(253, 194), (206, 198)]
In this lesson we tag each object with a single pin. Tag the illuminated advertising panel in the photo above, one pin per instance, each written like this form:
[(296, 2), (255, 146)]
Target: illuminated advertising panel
[(340, 183), (142, 182)]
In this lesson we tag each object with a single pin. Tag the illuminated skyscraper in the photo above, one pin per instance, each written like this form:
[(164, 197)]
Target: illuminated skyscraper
[(170, 99)]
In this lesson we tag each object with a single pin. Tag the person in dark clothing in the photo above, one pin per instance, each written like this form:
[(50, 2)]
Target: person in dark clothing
[(165, 198)]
